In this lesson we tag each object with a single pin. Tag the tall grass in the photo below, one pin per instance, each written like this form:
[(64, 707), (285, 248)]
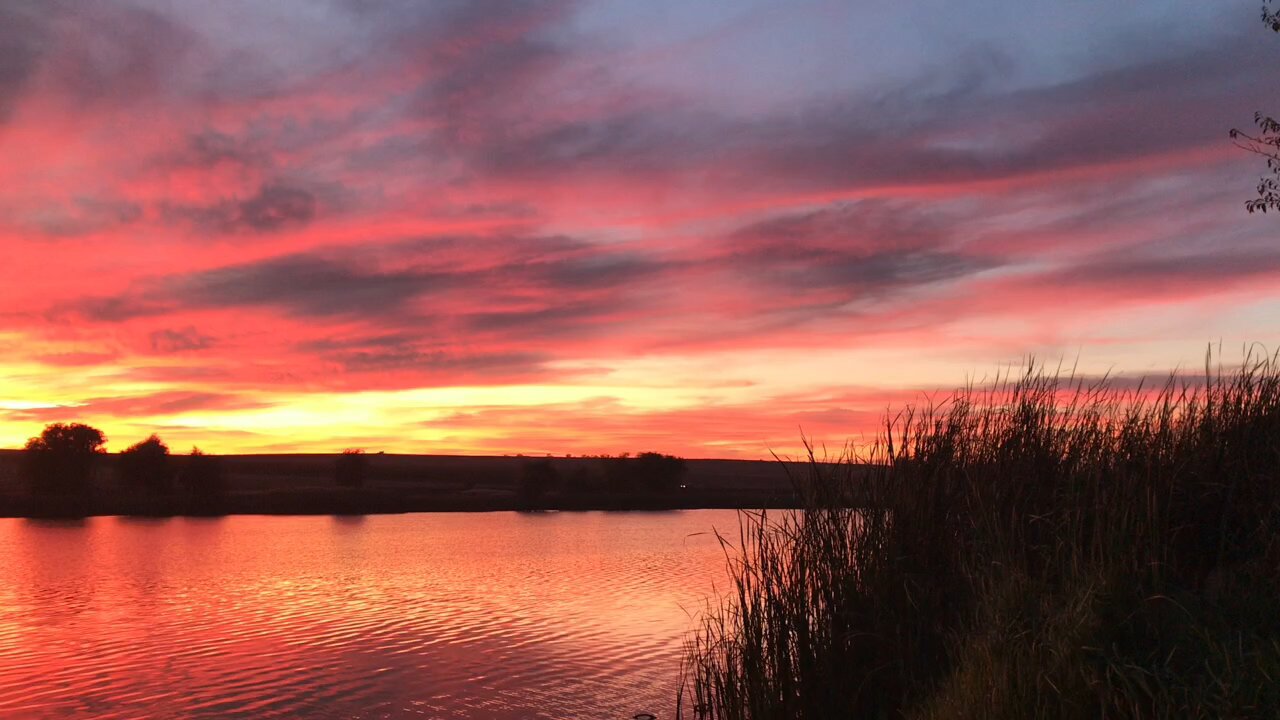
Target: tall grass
[(1044, 547)]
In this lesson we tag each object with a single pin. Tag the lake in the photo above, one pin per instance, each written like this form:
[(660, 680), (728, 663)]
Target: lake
[(425, 615)]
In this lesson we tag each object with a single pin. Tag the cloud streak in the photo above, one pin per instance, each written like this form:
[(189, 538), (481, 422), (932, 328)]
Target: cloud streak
[(667, 204)]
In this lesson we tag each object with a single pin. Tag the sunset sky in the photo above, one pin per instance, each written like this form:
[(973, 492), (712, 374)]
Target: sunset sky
[(583, 227)]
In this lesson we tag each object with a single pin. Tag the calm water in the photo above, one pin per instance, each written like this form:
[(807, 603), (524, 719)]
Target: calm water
[(489, 615)]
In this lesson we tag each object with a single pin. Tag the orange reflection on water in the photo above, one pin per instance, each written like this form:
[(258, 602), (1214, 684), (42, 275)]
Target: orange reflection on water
[(437, 615)]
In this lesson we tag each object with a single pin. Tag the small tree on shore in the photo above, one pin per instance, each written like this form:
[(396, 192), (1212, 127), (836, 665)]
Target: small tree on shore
[(62, 459), (145, 465)]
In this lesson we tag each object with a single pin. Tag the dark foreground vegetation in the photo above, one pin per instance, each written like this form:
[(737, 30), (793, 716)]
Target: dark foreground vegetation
[(1045, 548)]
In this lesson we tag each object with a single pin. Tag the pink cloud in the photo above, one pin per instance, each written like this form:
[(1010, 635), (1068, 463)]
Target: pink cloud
[(428, 197)]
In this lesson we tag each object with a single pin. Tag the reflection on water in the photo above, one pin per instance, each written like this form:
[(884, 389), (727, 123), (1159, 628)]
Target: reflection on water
[(488, 615)]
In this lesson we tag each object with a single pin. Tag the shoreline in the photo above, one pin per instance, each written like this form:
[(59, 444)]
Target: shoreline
[(341, 503), (306, 484)]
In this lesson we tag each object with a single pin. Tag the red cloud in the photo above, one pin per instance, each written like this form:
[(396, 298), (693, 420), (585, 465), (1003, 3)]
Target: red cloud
[(489, 196)]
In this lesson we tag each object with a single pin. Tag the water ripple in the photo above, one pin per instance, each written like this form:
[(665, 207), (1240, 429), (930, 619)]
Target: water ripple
[(494, 615)]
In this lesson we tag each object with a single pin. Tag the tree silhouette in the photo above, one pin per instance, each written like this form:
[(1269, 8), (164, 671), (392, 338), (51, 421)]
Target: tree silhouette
[(350, 467), (61, 460), (146, 465), (1266, 140)]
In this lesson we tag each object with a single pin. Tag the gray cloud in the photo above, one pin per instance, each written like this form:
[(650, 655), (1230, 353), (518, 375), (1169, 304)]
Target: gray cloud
[(209, 148), (413, 298), (1136, 270), (306, 285), (274, 207), (635, 143), (598, 270), (556, 321), (163, 403), (862, 250), (432, 361), (863, 226), (413, 351), (894, 270), (302, 285), (480, 78), (544, 288), (936, 129), (119, 54), (111, 309), (80, 216), (1138, 106), (180, 340), (24, 31), (384, 341)]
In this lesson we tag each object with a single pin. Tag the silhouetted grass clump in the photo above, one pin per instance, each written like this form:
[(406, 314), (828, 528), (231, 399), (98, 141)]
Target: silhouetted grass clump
[(350, 468), (1043, 548)]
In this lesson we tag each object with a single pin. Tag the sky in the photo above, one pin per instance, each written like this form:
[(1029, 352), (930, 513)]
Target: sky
[(707, 228)]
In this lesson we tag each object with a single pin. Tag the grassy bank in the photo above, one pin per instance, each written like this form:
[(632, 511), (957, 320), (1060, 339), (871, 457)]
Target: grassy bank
[(1042, 548)]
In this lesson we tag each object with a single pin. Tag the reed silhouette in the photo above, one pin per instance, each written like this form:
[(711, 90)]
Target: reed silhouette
[(1045, 547)]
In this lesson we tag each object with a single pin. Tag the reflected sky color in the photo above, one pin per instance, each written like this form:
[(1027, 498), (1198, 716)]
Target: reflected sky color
[(465, 615), (604, 226)]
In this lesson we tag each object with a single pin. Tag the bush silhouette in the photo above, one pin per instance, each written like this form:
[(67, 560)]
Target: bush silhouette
[(350, 467), (145, 465), (659, 473), (62, 459), (203, 480), (647, 472), (537, 477), (581, 482)]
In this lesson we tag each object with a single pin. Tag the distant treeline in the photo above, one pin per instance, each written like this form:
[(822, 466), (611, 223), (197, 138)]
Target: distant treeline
[(648, 475), (62, 472)]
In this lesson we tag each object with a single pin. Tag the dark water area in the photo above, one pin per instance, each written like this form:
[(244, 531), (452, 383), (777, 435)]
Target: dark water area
[(433, 615)]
